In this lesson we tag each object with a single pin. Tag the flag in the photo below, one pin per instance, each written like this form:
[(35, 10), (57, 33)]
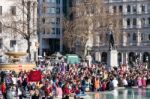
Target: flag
[(35, 76)]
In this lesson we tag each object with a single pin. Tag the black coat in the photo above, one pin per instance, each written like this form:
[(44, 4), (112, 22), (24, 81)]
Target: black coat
[(35, 97)]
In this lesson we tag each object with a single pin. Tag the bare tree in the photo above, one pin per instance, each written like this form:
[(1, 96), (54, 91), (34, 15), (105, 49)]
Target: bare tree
[(69, 34), (91, 18), (22, 20)]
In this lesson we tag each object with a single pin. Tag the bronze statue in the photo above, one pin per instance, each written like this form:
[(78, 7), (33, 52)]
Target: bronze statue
[(111, 40)]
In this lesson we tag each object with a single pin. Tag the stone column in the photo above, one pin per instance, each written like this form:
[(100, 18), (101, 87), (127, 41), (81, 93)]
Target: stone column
[(131, 22), (141, 57), (97, 56), (125, 57), (111, 9), (139, 24), (124, 38), (138, 38), (124, 23), (122, 58), (124, 9), (146, 8), (131, 12), (139, 8), (136, 53), (40, 50)]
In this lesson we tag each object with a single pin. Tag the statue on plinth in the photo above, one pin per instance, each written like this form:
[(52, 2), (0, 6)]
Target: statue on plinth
[(111, 41), (113, 54)]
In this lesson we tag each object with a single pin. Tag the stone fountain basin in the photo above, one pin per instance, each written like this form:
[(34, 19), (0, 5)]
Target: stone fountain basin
[(16, 54), (18, 67)]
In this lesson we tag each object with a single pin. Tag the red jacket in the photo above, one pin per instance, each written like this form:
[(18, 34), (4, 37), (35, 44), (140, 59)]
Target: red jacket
[(104, 86), (66, 91), (3, 88)]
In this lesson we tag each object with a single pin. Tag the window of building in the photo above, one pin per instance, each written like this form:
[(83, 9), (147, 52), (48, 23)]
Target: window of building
[(52, 1), (52, 20), (134, 9), (57, 31), (134, 37), (128, 8), (58, 10), (52, 10), (44, 30), (128, 35), (143, 8), (43, 20), (148, 8), (128, 22), (0, 10), (14, 27), (48, 29), (53, 30), (149, 37), (142, 36), (0, 27), (58, 1), (44, 10), (143, 21), (114, 9), (120, 8), (57, 20), (134, 21), (12, 43), (149, 21), (13, 10), (1, 43)]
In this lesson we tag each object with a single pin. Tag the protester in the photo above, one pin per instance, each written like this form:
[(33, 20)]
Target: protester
[(115, 82), (3, 89), (125, 83), (36, 95), (62, 80), (59, 93)]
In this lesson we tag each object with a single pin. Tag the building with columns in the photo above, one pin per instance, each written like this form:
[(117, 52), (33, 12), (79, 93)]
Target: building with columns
[(50, 13), (135, 44)]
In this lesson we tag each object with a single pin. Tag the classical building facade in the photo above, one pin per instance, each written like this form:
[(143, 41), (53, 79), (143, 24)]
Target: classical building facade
[(50, 14), (13, 26), (135, 44)]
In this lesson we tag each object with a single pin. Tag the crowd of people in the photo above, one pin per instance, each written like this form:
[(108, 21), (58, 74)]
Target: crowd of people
[(62, 80)]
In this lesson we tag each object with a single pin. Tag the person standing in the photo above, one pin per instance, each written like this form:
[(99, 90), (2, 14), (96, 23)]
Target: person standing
[(97, 84), (115, 82), (36, 95), (139, 81), (59, 92), (3, 89)]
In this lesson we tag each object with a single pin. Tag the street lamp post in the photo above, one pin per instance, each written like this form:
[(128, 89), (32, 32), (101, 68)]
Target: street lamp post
[(147, 61)]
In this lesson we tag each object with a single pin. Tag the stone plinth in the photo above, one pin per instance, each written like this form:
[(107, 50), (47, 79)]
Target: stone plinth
[(113, 58), (89, 59), (17, 67)]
